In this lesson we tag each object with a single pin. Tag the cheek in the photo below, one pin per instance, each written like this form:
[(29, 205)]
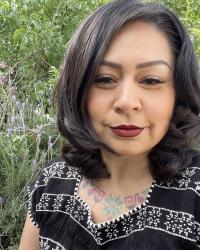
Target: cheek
[(98, 103), (163, 106)]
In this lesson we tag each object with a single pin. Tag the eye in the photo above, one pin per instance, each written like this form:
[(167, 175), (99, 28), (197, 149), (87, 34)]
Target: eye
[(152, 81), (105, 80)]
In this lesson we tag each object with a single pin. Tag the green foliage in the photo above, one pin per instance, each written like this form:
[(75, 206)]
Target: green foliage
[(34, 36)]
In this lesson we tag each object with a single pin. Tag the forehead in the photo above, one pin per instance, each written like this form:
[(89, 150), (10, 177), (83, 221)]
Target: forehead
[(140, 41)]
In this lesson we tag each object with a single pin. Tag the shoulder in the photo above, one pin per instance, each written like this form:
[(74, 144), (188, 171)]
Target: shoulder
[(188, 177), (181, 195), (184, 189), (56, 169), (56, 178)]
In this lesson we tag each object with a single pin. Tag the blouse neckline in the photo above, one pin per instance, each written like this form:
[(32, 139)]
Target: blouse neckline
[(122, 217)]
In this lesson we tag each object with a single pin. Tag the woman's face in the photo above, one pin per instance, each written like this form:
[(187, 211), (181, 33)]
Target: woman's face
[(133, 86)]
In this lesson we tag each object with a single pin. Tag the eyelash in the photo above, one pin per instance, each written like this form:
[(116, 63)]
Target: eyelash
[(104, 79), (109, 80), (152, 81)]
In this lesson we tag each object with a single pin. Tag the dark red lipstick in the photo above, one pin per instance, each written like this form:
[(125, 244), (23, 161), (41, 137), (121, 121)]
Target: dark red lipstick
[(127, 130)]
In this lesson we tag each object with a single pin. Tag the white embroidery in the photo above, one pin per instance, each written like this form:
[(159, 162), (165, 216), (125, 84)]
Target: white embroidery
[(44, 202), (57, 248), (197, 230), (70, 203), (197, 183), (176, 223), (79, 213), (155, 217), (128, 225), (72, 173), (44, 244), (57, 201), (36, 185), (184, 181), (140, 223), (189, 172), (112, 231), (173, 222), (55, 170), (49, 244)]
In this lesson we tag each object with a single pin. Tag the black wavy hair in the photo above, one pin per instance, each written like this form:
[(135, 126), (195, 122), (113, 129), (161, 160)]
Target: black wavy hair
[(85, 52)]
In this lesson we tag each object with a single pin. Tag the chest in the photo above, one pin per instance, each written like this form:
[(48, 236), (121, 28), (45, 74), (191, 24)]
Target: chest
[(106, 206)]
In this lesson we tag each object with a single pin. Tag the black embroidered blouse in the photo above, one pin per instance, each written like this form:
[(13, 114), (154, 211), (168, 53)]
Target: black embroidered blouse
[(168, 219)]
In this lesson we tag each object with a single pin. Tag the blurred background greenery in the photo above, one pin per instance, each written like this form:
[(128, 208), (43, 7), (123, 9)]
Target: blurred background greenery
[(33, 40)]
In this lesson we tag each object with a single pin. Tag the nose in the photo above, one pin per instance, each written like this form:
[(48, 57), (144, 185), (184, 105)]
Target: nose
[(128, 98)]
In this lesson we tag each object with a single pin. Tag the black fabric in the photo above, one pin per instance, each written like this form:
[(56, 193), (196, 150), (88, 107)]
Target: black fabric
[(168, 219)]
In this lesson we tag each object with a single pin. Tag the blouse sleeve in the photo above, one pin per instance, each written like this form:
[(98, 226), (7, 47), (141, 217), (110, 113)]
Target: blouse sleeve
[(35, 191), (38, 188)]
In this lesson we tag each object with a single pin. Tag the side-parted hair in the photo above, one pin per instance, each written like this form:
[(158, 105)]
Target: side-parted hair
[(85, 52)]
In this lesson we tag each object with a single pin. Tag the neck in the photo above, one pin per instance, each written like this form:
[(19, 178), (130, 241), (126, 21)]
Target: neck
[(127, 171)]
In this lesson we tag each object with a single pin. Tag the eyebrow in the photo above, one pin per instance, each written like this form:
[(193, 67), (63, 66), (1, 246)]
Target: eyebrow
[(152, 63), (138, 66)]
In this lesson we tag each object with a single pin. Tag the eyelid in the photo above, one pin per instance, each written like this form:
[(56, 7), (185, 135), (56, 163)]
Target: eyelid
[(153, 78), (100, 77)]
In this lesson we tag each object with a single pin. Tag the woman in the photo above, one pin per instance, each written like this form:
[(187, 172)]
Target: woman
[(128, 105)]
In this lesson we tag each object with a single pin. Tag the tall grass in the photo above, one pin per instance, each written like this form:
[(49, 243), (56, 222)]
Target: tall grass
[(28, 138)]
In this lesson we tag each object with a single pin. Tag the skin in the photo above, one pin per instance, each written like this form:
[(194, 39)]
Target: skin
[(30, 236), (110, 205), (123, 93)]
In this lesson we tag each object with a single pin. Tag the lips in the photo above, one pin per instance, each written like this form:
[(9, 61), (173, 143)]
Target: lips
[(127, 130), (127, 127)]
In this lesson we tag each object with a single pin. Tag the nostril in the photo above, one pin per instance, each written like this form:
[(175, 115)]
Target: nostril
[(124, 105)]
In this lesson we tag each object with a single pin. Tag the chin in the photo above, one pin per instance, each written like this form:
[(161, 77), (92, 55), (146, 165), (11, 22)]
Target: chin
[(129, 152)]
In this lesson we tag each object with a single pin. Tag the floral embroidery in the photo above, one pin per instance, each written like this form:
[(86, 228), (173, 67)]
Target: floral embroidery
[(72, 173), (44, 202), (140, 220), (197, 230), (154, 218), (184, 181), (48, 244), (197, 183), (58, 202), (128, 225), (44, 244), (112, 205), (112, 231), (69, 204), (57, 248), (55, 170), (179, 223), (189, 172), (80, 213)]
